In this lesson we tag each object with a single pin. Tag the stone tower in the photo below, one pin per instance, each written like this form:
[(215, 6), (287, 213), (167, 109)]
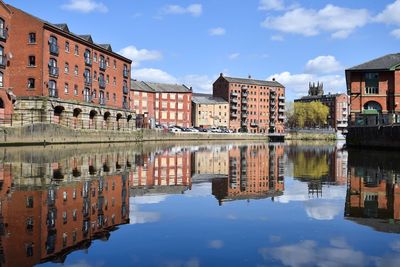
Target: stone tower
[(316, 90)]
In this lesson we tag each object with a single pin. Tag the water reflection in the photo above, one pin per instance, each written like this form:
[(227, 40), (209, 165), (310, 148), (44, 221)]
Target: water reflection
[(373, 193)]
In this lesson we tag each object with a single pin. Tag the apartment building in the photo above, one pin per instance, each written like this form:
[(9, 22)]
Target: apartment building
[(255, 106), (163, 104), (6, 96), (62, 77), (209, 111)]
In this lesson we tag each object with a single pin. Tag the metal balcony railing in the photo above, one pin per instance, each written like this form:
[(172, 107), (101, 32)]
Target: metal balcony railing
[(54, 50), (53, 92), (53, 72)]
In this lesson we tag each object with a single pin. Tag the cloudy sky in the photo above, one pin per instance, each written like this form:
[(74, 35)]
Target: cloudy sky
[(192, 41)]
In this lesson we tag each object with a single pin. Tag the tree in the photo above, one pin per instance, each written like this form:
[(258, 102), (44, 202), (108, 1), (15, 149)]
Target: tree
[(310, 114)]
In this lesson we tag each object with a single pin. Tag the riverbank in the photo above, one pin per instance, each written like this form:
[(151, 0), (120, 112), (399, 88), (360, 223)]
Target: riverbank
[(46, 134), (309, 136), (380, 136)]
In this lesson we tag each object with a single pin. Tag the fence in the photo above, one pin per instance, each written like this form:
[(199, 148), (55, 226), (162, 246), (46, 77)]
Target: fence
[(74, 122)]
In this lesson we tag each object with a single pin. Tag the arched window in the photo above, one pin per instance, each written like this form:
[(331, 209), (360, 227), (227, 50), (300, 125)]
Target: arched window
[(3, 59), (53, 45), (53, 69), (66, 67), (1, 79), (53, 88), (88, 78), (3, 29), (31, 83), (373, 106), (86, 95), (1, 103)]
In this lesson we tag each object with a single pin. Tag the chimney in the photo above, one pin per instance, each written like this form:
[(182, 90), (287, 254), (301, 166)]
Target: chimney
[(221, 75), (273, 79), (249, 76)]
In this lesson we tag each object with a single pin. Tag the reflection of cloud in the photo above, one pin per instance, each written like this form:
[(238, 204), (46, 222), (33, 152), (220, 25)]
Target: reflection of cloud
[(180, 263), (232, 217), (199, 190), (138, 217), (274, 238), (388, 260), (308, 253), (83, 263), (395, 246), (216, 244), (148, 199), (322, 210)]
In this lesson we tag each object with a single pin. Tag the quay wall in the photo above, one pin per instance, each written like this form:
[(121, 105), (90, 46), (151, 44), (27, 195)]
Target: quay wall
[(311, 135), (44, 133), (387, 137)]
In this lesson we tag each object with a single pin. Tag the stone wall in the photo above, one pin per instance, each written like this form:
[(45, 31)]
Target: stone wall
[(45, 133)]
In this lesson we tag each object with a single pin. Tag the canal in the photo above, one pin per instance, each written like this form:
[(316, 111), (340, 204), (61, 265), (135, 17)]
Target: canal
[(199, 204)]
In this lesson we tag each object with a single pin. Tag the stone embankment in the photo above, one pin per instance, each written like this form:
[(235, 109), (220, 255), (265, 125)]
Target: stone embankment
[(44, 134), (387, 137)]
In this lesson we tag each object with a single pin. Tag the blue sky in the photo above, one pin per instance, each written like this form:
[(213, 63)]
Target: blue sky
[(191, 42)]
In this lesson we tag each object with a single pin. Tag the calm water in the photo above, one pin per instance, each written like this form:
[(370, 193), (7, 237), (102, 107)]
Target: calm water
[(244, 204)]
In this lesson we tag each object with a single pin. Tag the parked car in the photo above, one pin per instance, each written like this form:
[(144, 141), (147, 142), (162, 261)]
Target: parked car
[(174, 129), (216, 130), (192, 130)]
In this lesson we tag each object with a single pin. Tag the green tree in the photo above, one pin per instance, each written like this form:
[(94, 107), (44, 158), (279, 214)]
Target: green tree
[(310, 114)]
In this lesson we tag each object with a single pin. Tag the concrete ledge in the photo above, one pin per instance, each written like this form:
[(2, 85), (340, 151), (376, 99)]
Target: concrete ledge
[(45, 134)]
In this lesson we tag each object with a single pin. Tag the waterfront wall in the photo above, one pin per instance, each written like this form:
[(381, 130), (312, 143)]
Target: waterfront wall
[(42, 133), (311, 135), (374, 136)]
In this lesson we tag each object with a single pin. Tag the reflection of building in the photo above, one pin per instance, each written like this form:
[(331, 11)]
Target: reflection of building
[(211, 161), (255, 171), (48, 219), (337, 104), (256, 106), (162, 170), (209, 111), (373, 193)]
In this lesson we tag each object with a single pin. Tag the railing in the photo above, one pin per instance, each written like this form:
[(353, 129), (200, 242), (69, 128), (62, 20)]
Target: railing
[(281, 104), (53, 92), (3, 61), (234, 107), (126, 74), (281, 98), (125, 89), (281, 110), (87, 98), (245, 94), (103, 65), (102, 101), (234, 94), (244, 114), (125, 105), (53, 72), (54, 50), (88, 80), (3, 34), (102, 83), (244, 107), (88, 61), (233, 114)]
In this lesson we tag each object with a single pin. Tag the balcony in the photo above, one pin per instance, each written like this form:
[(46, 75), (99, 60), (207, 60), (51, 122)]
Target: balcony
[(3, 62), (244, 108), (234, 100), (88, 61), (126, 73), (281, 98), (53, 72), (234, 114), (102, 101), (245, 114), (53, 92), (234, 94), (125, 105), (88, 81), (272, 123), (3, 34), (245, 94), (254, 124), (102, 83), (281, 110), (125, 90), (244, 88), (102, 65), (272, 103), (244, 101), (54, 50), (281, 104), (281, 117), (234, 107)]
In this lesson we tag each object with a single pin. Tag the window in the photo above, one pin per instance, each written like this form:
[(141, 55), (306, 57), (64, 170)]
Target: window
[(66, 89), (32, 61), (108, 79), (1, 79), (29, 224), (95, 75), (108, 96), (29, 202), (114, 97), (371, 83), (67, 47), (66, 68), (31, 83), (95, 57), (76, 70), (32, 38), (76, 51), (75, 89), (108, 62), (65, 195), (94, 94), (114, 81), (115, 64)]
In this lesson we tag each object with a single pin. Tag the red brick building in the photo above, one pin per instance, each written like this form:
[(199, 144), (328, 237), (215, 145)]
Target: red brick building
[(164, 104), (337, 104), (374, 86), (256, 106), (63, 77)]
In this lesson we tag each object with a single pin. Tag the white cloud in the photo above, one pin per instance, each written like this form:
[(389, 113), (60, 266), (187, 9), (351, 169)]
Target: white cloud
[(390, 15), (85, 6), (271, 5), (216, 244), (278, 38), (153, 75), (217, 31), (396, 33), (194, 10), (323, 64), (338, 21), (200, 83), (139, 55), (234, 56)]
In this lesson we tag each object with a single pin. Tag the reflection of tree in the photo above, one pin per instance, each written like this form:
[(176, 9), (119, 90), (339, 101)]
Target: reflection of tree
[(310, 165)]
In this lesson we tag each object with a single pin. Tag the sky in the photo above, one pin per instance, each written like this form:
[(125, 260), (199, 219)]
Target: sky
[(192, 41)]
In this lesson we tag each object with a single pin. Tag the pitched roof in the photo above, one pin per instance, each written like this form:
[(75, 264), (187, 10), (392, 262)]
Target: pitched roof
[(62, 26), (387, 62), (86, 37), (207, 99), (140, 86), (168, 88), (106, 46), (253, 82)]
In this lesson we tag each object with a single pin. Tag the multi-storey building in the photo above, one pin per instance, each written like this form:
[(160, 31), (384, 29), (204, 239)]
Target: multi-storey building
[(213, 160), (256, 106), (374, 86), (58, 76), (255, 171), (6, 96), (160, 103), (337, 104), (209, 111)]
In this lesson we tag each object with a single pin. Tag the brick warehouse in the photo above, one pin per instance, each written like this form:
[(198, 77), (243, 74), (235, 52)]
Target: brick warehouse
[(256, 106), (160, 103), (60, 77)]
